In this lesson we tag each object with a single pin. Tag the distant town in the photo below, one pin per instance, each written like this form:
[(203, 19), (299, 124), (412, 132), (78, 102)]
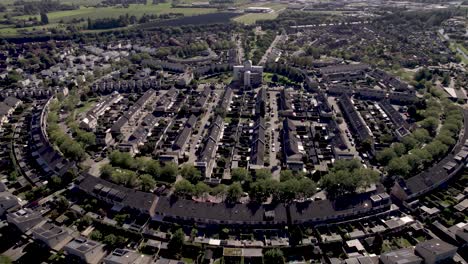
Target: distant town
[(232, 131)]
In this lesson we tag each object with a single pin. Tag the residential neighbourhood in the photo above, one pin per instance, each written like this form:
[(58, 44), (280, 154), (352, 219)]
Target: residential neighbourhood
[(233, 132)]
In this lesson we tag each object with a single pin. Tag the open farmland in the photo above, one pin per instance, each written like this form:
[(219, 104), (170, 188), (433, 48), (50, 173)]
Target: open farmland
[(214, 18), (133, 10)]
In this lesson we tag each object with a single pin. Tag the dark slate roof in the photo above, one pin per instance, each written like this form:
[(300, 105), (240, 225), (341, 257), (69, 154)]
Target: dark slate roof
[(258, 143), (317, 211), (117, 126), (218, 212), (182, 138), (109, 191), (191, 121), (4, 108), (356, 123), (11, 101), (341, 68), (436, 175)]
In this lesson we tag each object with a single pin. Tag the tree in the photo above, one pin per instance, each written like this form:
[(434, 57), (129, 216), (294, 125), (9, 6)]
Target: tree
[(430, 124), (274, 256), (286, 175), (421, 135), (177, 242), (121, 159), (184, 188), (288, 190), (201, 189), (153, 168), (399, 148), (234, 192), (240, 175), (106, 171), (262, 174), (384, 156), (169, 172), (62, 204), (261, 190), (190, 173), (274, 78), (147, 182), (398, 166), (96, 235), (219, 190), (110, 240), (44, 19)]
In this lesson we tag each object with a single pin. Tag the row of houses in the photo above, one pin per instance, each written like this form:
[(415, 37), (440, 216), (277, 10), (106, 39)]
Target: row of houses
[(207, 157), (126, 86), (7, 107), (48, 159), (355, 122), (90, 120), (441, 172), (173, 209), (258, 144)]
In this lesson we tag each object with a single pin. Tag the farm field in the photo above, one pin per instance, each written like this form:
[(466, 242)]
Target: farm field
[(136, 10), (211, 18)]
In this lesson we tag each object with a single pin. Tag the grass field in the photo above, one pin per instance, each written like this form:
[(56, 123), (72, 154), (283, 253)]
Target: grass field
[(55, 18), (136, 10), (251, 18)]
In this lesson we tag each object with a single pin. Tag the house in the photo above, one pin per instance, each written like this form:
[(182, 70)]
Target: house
[(25, 219), (53, 236), (207, 156), (118, 196), (242, 255), (292, 147), (247, 75), (12, 102), (8, 202), (435, 251), (6, 110), (87, 250), (401, 256), (258, 145), (125, 256)]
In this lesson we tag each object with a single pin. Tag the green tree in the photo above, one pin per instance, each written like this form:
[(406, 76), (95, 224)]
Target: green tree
[(44, 18), (399, 166), (262, 174), (184, 188), (169, 172), (147, 182), (96, 235), (177, 242), (286, 175), (190, 173), (110, 240), (274, 256), (201, 189), (384, 156), (234, 192), (240, 175)]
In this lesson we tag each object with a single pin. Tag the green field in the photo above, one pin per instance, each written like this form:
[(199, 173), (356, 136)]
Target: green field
[(133, 10), (57, 18), (251, 18)]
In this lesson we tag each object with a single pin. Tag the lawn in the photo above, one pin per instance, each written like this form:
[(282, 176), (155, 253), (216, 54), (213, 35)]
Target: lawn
[(405, 75)]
